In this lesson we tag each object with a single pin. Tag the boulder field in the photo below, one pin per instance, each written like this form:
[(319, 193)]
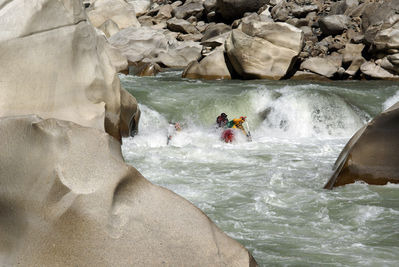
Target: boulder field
[(315, 30), (67, 197)]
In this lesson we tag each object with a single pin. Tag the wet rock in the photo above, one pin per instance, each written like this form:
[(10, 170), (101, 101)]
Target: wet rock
[(130, 114), (118, 11), (230, 10), (371, 154), (212, 67), (334, 24), (254, 57), (180, 25), (187, 10), (143, 69)]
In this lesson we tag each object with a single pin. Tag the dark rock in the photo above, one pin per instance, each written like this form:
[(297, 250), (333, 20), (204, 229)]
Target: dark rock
[(187, 10), (180, 25), (230, 10), (371, 155), (334, 24), (215, 30)]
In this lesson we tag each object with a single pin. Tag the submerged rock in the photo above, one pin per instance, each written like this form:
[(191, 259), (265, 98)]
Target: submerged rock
[(68, 197), (371, 155)]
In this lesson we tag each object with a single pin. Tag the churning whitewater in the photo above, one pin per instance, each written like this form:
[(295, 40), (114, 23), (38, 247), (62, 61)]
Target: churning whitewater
[(267, 194)]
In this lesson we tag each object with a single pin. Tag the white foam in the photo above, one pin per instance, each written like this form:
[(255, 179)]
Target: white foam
[(391, 101)]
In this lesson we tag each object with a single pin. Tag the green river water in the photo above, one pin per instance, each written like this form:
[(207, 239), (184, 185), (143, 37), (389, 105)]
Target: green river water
[(267, 194)]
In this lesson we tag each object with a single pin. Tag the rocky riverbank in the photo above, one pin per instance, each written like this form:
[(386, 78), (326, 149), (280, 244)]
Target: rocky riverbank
[(273, 39)]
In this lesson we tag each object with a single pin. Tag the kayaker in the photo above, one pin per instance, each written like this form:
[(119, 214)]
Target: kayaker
[(237, 123), (222, 120)]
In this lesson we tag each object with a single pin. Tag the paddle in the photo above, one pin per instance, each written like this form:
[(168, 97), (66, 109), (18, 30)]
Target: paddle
[(249, 132)]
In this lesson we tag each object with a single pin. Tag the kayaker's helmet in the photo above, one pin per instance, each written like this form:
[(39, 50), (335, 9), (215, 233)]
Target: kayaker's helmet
[(243, 118), (223, 115)]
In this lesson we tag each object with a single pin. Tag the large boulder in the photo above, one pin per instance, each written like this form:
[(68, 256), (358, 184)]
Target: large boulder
[(212, 67), (372, 70), (181, 25), (230, 10), (68, 198), (179, 54), (334, 24), (119, 11), (380, 24), (278, 33), (152, 45), (327, 66), (55, 65), (139, 43), (189, 9), (371, 155), (254, 57)]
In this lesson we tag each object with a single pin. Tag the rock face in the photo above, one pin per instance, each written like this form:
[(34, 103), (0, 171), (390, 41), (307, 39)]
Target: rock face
[(55, 42), (68, 197), (371, 154), (254, 57), (118, 11)]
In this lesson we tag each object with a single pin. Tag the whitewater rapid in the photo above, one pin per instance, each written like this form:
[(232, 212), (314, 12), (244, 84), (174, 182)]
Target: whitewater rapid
[(267, 194)]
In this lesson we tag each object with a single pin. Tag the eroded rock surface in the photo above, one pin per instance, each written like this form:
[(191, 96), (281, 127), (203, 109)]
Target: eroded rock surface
[(55, 65), (67, 197)]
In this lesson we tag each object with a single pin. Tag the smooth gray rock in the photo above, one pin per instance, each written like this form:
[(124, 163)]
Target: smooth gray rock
[(212, 67), (180, 25), (254, 57), (187, 10), (334, 24), (234, 9), (215, 30)]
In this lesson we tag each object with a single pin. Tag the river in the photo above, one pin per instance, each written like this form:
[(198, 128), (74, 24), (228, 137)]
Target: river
[(267, 194)]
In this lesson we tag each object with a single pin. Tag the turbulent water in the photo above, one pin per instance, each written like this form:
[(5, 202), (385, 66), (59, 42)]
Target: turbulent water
[(267, 194)]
